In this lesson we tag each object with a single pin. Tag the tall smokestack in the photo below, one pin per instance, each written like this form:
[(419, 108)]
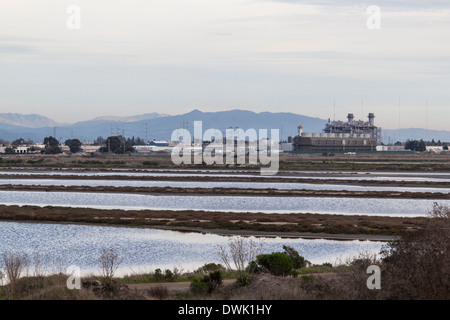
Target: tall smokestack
[(371, 119), (350, 118)]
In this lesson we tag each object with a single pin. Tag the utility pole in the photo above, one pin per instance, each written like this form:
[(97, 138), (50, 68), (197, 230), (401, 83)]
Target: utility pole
[(281, 133), (146, 132), (334, 110), (426, 119), (124, 141), (398, 119)]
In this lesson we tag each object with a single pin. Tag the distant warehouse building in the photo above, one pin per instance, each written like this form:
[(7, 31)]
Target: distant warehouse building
[(347, 136), (154, 146), (160, 143)]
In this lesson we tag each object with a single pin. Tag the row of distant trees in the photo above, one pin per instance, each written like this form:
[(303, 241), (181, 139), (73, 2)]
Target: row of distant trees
[(113, 144), (100, 141), (420, 145), (117, 144), (120, 145)]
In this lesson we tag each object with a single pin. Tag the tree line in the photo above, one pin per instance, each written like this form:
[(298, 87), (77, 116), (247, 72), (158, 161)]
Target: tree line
[(112, 144), (420, 145)]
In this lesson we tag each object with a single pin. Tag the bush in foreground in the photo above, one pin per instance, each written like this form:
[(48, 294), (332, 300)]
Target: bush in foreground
[(206, 284), (276, 263)]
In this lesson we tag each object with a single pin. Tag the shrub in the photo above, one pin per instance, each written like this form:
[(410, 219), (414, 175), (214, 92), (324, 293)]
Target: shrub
[(150, 163), (308, 277), (168, 275), (109, 262), (417, 266), (199, 286), (207, 283), (210, 267), (297, 260), (240, 251), (276, 263), (253, 267), (183, 295), (159, 292), (14, 264), (215, 280), (244, 279), (158, 276)]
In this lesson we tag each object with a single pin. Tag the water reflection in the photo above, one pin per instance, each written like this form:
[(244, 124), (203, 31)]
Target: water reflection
[(212, 184), (147, 249), (352, 206)]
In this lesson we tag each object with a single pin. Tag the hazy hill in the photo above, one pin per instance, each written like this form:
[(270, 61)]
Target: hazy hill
[(157, 126), (146, 116), (28, 120), (160, 126), (415, 134)]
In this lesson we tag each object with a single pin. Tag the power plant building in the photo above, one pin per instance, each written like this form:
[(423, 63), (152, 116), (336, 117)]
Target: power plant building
[(349, 136)]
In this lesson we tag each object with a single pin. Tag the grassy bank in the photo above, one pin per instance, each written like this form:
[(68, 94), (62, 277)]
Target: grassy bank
[(415, 266), (190, 220), (230, 192), (287, 161)]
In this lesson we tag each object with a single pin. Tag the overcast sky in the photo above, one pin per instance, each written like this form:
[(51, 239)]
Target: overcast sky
[(171, 56)]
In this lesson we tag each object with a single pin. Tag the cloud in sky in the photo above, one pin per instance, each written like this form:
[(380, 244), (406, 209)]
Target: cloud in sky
[(263, 55)]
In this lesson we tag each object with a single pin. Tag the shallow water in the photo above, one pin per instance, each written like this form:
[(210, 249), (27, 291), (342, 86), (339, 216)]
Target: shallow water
[(212, 184), (62, 245), (363, 177), (348, 206)]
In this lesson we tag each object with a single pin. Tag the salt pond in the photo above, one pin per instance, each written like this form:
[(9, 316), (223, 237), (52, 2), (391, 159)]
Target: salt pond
[(62, 245), (214, 184), (337, 205), (363, 177)]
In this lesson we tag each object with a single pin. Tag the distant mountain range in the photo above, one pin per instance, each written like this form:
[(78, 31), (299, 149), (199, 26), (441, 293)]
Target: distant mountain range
[(152, 125), (392, 136), (27, 120), (146, 116), (160, 126)]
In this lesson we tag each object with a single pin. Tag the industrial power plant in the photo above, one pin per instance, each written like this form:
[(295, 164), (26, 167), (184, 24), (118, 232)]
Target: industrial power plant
[(349, 136)]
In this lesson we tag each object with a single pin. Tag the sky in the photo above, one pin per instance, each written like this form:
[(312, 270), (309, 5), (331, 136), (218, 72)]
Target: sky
[(80, 59)]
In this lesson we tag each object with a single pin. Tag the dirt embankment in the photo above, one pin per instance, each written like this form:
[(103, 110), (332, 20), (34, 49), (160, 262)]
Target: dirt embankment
[(281, 177), (329, 226), (230, 191), (404, 161)]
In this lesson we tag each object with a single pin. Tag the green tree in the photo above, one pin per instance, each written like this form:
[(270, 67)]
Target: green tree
[(51, 145), (51, 141), (74, 145), (415, 145), (99, 141), (18, 142), (276, 263), (117, 144), (297, 260)]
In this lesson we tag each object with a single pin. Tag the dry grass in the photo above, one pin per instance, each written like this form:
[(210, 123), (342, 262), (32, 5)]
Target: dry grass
[(51, 287), (310, 223), (290, 161)]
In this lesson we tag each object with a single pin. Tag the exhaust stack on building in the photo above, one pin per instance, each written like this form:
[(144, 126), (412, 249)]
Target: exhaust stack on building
[(352, 135)]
